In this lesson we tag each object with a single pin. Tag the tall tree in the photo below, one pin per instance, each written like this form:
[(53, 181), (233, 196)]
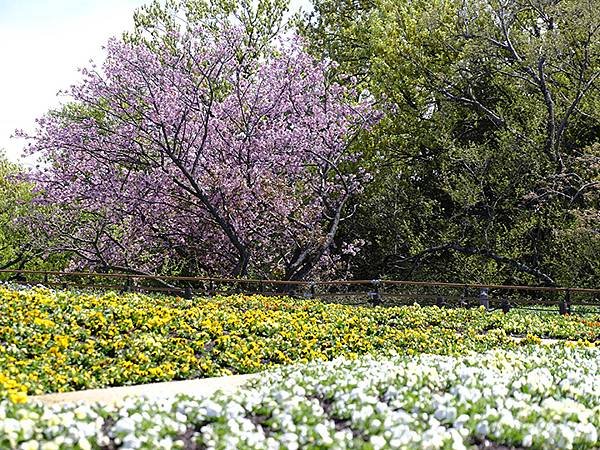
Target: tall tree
[(186, 155), (492, 117)]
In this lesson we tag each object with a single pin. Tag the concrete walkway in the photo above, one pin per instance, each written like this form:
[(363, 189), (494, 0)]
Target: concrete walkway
[(205, 386)]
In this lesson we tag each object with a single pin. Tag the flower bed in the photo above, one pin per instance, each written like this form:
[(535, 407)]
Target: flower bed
[(537, 397), (61, 341)]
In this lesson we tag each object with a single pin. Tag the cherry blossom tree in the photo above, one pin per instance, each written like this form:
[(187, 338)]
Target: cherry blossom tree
[(192, 157)]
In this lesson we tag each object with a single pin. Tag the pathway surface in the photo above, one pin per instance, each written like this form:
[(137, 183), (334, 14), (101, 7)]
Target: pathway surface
[(199, 387)]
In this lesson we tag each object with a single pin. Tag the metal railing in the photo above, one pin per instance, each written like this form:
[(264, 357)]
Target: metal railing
[(374, 292)]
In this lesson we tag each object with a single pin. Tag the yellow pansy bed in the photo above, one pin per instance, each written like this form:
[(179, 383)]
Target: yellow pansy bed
[(61, 341)]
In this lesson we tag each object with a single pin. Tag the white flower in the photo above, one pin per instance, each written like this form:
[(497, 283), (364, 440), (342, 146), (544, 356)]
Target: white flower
[(377, 442), (444, 413), (540, 379), (10, 425), (81, 412), (29, 445), (102, 440), (457, 440), (84, 444), (566, 436), (323, 434), (51, 445), (433, 439), (211, 409), (289, 441), (165, 443), (588, 431), (124, 425), (482, 428), (460, 421), (131, 442)]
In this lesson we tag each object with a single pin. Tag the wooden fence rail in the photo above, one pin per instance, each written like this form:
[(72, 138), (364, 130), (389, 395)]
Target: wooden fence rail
[(376, 291)]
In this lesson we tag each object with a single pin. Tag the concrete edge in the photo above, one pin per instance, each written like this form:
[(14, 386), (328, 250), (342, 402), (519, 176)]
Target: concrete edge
[(197, 387)]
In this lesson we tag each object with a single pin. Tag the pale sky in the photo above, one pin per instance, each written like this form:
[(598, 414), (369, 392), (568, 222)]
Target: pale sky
[(42, 43)]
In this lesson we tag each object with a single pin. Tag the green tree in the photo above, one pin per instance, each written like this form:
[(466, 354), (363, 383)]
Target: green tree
[(487, 159), (15, 196), (261, 21), (21, 245)]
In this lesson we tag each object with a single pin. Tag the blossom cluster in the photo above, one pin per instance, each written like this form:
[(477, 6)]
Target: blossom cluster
[(534, 397), (189, 164), (55, 341)]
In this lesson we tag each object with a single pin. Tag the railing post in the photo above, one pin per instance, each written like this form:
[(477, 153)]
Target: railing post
[(564, 307), (484, 299), (310, 293), (463, 302), (127, 287), (375, 294), (290, 290)]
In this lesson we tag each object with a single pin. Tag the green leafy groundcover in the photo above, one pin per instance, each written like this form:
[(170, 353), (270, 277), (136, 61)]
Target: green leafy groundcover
[(536, 397), (60, 341)]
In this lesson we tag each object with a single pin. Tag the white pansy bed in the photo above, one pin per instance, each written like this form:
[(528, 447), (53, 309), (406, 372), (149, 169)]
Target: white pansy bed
[(537, 397)]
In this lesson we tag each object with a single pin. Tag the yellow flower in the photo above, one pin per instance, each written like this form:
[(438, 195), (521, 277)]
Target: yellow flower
[(43, 322), (17, 396), (62, 340)]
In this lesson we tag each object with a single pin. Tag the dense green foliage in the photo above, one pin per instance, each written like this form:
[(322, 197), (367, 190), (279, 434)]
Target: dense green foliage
[(488, 159), (18, 249), (15, 198)]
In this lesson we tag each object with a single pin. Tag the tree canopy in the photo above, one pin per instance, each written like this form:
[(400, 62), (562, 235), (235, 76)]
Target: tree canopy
[(487, 158), (195, 155)]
